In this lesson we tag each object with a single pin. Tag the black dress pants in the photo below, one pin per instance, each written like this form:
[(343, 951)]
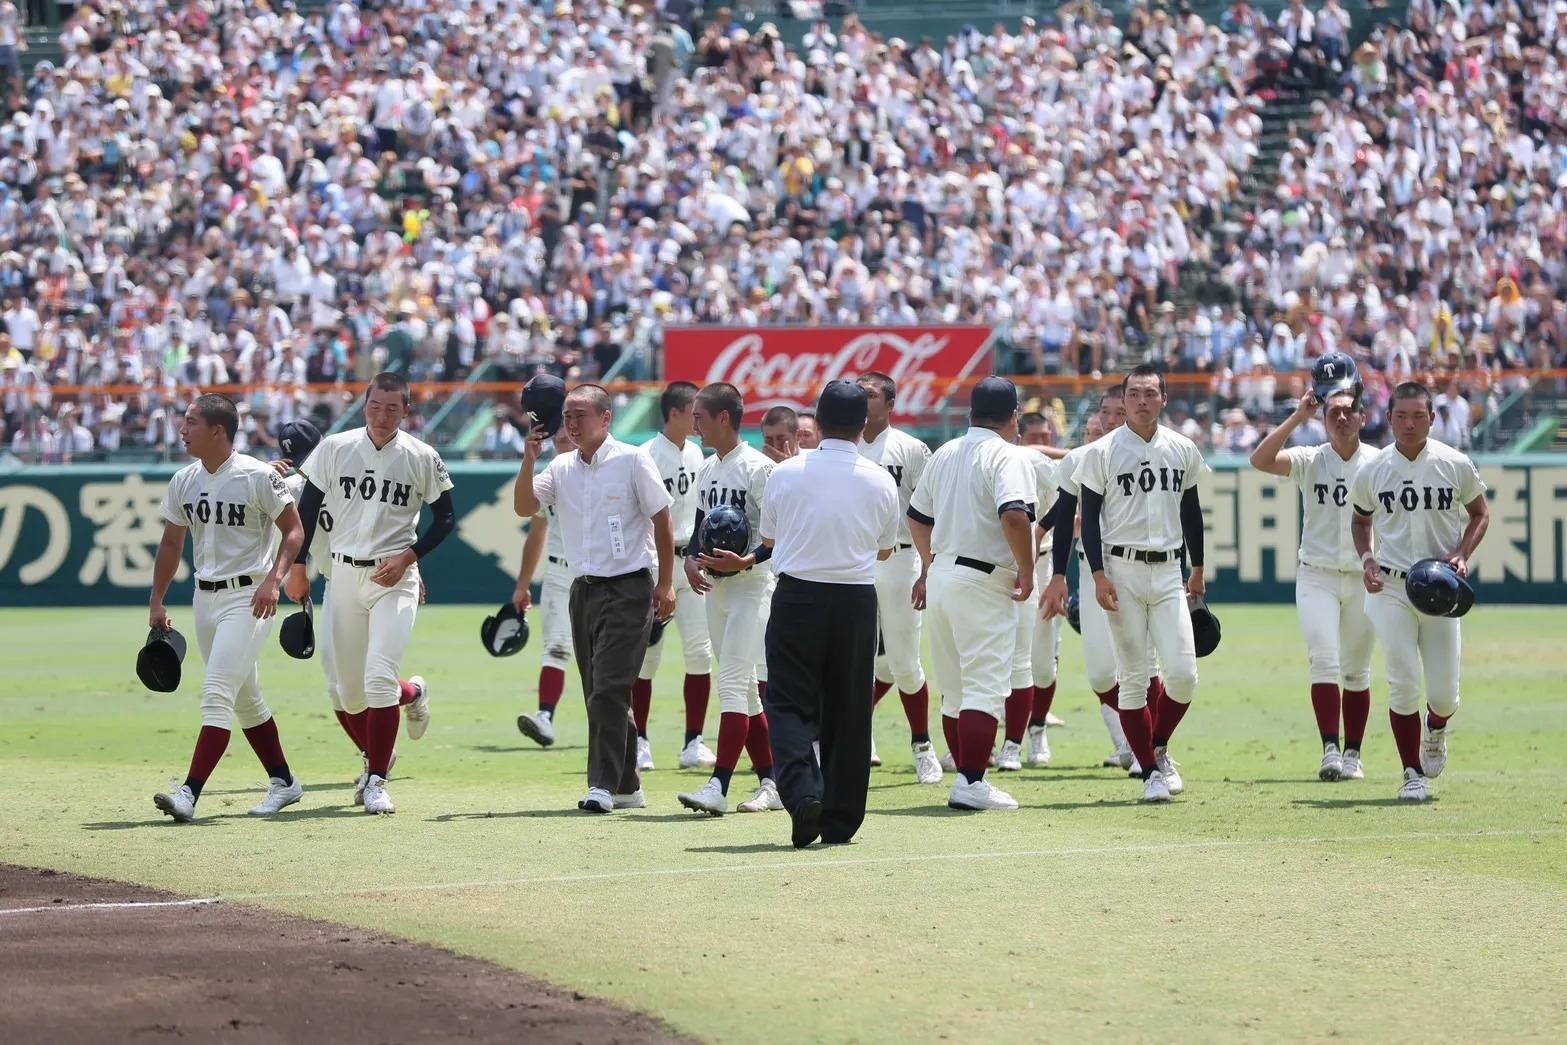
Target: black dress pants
[(821, 653)]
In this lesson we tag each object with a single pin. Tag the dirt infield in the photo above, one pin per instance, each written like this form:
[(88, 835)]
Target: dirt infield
[(144, 973)]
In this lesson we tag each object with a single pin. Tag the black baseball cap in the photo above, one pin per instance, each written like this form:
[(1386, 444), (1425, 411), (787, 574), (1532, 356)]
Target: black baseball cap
[(843, 404), (993, 397)]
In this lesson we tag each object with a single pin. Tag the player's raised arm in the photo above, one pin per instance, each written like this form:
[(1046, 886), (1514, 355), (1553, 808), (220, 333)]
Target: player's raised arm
[(525, 491), (169, 550), (1266, 457)]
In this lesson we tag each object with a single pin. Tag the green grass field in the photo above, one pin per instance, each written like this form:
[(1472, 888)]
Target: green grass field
[(1261, 904)]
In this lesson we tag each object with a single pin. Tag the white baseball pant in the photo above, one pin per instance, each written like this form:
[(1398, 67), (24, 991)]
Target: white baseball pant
[(736, 616), (1025, 613), (1098, 647), (555, 607), (1153, 617), (230, 638), (1415, 646), (1045, 646), (1332, 608), (970, 655), (899, 663), (324, 648), (370, 626), (691, 618)]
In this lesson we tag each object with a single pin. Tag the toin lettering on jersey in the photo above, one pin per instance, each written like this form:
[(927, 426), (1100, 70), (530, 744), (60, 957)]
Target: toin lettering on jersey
[(1410, 498), (368, 489), (1147, 480), (223, 513), (680, 483), (1338, 492), (896, 471), (716, 496)]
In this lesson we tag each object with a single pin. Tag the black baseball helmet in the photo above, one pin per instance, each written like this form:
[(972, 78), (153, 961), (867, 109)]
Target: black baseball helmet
[(1335, 373), (297, 635), (1205, 627), (296, 439), (1435, 589), (158, 663), (1074, 612), (725, 528), (545, 397), (504, 632)]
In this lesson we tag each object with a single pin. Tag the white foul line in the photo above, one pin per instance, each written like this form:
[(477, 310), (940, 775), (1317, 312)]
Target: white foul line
[(124, 905)]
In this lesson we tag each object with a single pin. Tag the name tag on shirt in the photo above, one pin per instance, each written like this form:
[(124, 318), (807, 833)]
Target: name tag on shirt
[(617, 538)]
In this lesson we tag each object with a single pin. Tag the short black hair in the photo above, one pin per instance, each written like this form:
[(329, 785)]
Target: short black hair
[(1113, 392), (387, 381), (218, 410), (881, 382), (782, 415), (678, 395), (1415, 390), (1031, 418), (721, 397), (1143, 370), (808, 415), (598, 395)]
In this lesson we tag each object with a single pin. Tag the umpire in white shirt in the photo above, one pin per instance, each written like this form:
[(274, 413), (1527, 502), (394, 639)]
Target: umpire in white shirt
[(829, 516), (614, 516)]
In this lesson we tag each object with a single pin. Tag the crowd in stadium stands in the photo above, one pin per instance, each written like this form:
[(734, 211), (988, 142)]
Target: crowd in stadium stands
[(229, 191)]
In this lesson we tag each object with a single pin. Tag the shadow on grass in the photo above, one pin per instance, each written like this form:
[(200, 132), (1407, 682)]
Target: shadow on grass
[(261, 788), (942, 810), (162, 821), (743, 850), (1348, 803), (498, 749), (1067, 807)]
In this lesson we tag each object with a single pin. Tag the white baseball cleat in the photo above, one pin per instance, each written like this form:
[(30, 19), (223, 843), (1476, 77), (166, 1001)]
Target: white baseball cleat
[(635, 800), (364, 776), (279, 796), (377, 801), (1332, 763), (1155, 789), (765, 800), (697, 755), (1433, 753), (949, 763), (597, 800), (875, 755), (1112, 721), (417, 715), (979, 796), (1011, 758), (927, 767), (1352, 769), (709, 798), (179, 803), (1052, 722), (1169, 769), (537, 726), (1120, 758), (1036, 746), (1414, 789), (644, 755), (1135, 770)]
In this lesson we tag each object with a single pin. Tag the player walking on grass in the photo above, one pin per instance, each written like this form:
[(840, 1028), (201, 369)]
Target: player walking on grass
[(365, 487), (1034, 659), (1414, 500), (546, 543), (1329, 593), (245, 534)]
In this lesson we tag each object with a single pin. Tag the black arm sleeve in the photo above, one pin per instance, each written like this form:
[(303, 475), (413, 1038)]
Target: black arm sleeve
[(310, 501), (1191, 526), (763, 553), (919, 516), (1093, 505), (694, 545), (441, 526), (1062, 515)]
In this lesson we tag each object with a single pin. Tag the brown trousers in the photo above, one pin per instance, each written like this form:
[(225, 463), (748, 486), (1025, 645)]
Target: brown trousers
[(610, 621)]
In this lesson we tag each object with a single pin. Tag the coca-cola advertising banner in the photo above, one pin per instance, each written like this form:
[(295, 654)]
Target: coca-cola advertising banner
[(788, 366)]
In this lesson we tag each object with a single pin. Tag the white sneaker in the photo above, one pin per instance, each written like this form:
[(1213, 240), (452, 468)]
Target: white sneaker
[(1169, 768), (635, 800), (279, 796), (1011, 758), (1414, 789), (949, 763), (1332, 763), (1120, 758), (537, 726), (993, 757), (1135, 770), (644, 755), (376, 799), (875, 755), (1433, 753), (179, 803), (1053, 722), (709, 798), (1037, 746), (927, 767), (597, 800), (1352, 769), (765, 800), (364, 776), (697, 755), (416, 716), (1155, 789), (979, 796)]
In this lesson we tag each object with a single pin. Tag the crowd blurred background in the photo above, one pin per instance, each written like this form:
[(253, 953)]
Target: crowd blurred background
[(236, 192)]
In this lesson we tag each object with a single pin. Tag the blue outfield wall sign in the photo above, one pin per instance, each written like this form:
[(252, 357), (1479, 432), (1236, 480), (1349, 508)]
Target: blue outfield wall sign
[(87, 535)]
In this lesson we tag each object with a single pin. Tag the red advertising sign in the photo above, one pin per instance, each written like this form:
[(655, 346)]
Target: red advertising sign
[(788, 366)]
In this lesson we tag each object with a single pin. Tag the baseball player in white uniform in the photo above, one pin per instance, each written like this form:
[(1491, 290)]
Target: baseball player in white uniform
[(1329, 594), (546, 542), (1139, 506), (739, 594), (245, 533), (898, 660), (1417, 499), (366, 487), (972, 520), (678, 459), (1034, 660)]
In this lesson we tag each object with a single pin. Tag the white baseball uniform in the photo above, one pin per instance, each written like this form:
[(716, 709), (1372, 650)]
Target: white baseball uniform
[(370, 512), (231, 515), (739, 604), (320, 557), (1142, 483), (969, 588), (1092, 621), (556, 575), (904, 457), (1034, 659), (678, 467), (1417, 512), (1329, 593)]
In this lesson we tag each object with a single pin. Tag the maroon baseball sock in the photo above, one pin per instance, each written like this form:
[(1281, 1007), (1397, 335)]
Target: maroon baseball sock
[(954, 739), (916, 708), (1111, 697), (1435, 721), (381, 737), (759, 745), (211, 742), (878, 690), (1138, 727), (1019, 704), (733, 726), (1357, 711), (641, 704), (1406, 734), (552, 683), (354, 727), (1170, 714), (1044, 696), (1325, 704), (696, 691), (408, 693), (1156, 696), (977, 731), (268, 747)]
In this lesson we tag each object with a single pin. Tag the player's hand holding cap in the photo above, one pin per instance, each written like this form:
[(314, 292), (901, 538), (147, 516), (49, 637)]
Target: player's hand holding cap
[(1205, 627), (297, 635), (504, 632), (158, 663), (544, 398)]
